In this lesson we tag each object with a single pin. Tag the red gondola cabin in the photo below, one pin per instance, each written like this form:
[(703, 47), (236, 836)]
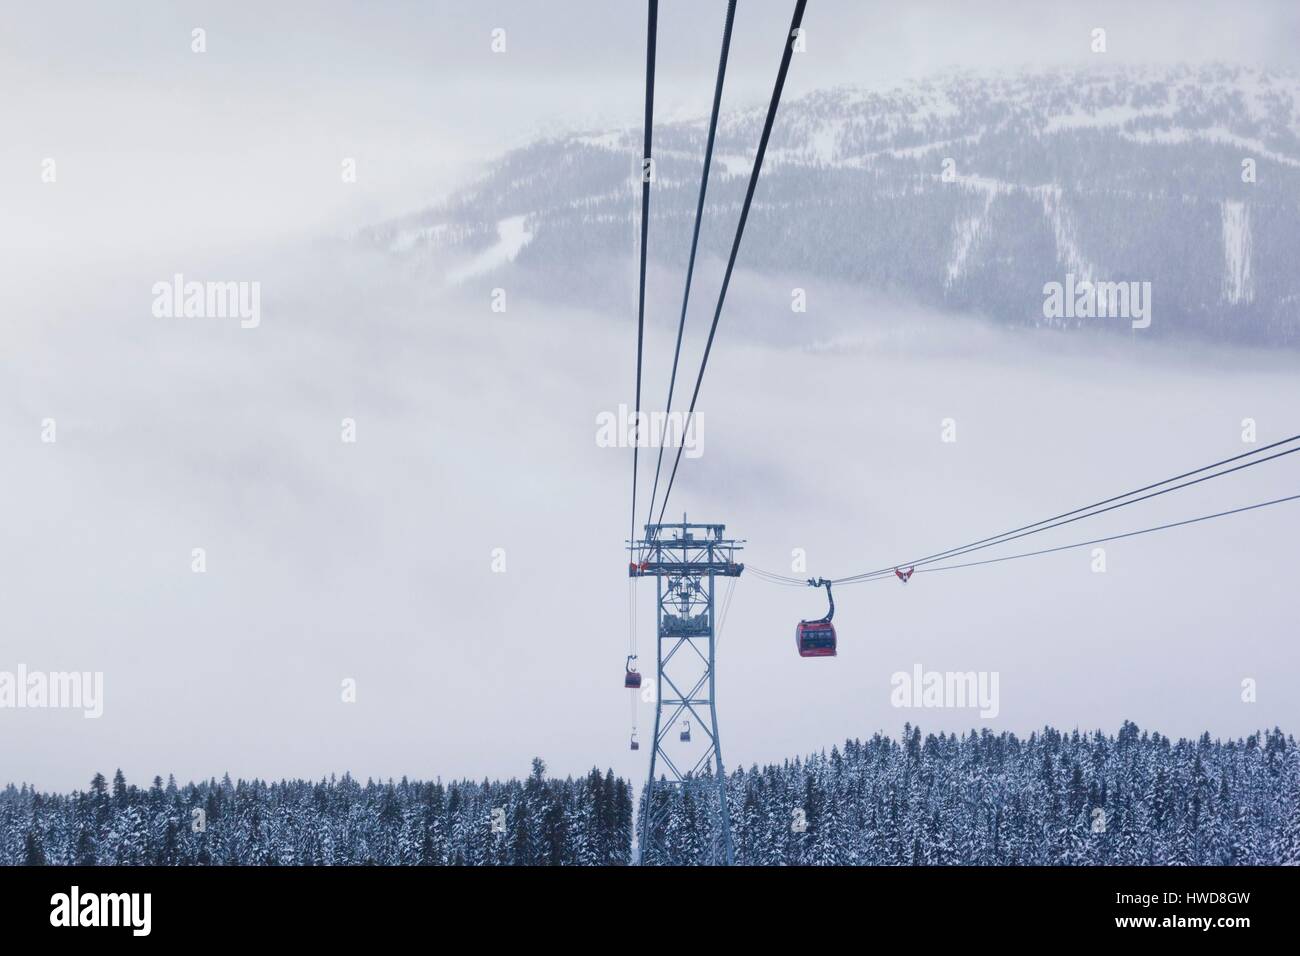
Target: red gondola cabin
[(815, 638)]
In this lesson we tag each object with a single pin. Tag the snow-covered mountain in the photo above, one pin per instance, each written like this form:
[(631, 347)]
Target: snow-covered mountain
[(966, 191)]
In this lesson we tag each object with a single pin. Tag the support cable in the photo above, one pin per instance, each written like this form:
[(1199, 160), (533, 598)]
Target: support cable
[(652, 29), (788, 49), (695, 241), (1113, 537), (1068, 518), (1077, 514)]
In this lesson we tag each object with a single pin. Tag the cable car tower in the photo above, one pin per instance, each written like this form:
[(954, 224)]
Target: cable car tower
[(684, 559)]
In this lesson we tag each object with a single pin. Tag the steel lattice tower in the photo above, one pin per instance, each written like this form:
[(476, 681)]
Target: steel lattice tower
[(685, 559)]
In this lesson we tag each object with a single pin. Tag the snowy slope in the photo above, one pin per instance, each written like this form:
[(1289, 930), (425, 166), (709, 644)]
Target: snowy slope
[(965, 191)]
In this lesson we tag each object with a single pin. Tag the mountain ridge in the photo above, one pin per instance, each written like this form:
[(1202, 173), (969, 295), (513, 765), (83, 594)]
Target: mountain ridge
[(967, 191)]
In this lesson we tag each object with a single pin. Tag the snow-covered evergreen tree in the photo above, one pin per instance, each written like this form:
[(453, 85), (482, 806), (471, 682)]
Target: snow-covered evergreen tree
[(1053, 798)]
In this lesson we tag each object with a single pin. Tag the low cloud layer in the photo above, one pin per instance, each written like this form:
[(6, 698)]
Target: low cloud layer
[(475, 430)]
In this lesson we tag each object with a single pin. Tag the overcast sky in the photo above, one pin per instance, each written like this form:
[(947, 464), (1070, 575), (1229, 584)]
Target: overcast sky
[(158, 145), (373, 561)]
